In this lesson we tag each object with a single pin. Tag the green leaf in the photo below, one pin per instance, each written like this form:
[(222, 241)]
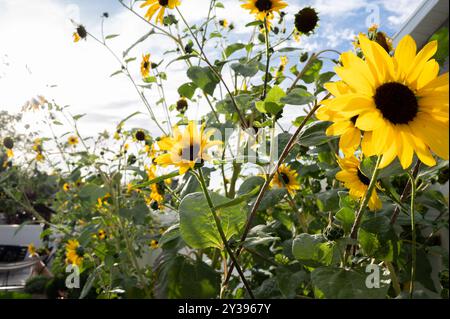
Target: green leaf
[(78, 116), (233, 48), (247, 70), (313, 72), (90, 282), (271, 198), (111, 36), (441, 36), (339, 283), (314, 134), (116, 73), (92, 192), (187, 90), (272, 104), (249, 184), (203, 78), (141, 39), (181, 277), (161, 178), (298, 96), (347, 217), (197, 225), (312, 250)]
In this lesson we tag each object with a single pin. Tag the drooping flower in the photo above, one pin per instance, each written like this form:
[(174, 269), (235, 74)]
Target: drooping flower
[(355, 180), (286, 178), (74, 252), (80, 33), (186, 149), (399, 102), (264, 9), (306, 21), (161, 5), (145, 66)]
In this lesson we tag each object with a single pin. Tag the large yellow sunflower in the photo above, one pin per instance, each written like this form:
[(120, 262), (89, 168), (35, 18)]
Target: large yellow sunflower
[(264, 9), (145, 66), (161, 5), (399, 102), (286, 177), (156, 193), (186, 149), (356, 181), (74, 252)]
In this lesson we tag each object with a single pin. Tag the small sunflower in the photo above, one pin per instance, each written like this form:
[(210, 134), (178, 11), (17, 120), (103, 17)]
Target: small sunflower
[(399, 102), (72, 140), (186, 149), (224, 23), (66, 187), (145, 66), (161, 5), (74, 252), (355, 180), (306, 21), (79, 34), (264, 9), (39, 157), (101, 234), (154, 244), (286, 177), (8, 142), (156, 190), (140, 135), (182, 105), (32, 250)]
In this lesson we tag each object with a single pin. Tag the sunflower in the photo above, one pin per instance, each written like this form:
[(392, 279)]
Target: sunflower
[(161, 5), (140, 135), (154, 244), (101, 234), (306, 21), (32, 250), (355, 180), (350, 135), (286, 177), (74, 252), (399, 101), (66, 187), (79, 34), (182, 105), (224, 23), (186, 149), (264, 9), (156, 191), (72, 140), (145, 66)]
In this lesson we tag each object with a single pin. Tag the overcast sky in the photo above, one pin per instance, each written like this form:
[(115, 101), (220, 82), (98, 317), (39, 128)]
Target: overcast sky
[(37, 55)]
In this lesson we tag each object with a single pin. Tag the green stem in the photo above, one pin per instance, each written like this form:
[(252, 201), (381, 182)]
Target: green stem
[(394, 278), (213, 211), (413, 229), (266, 77), (365, 201)]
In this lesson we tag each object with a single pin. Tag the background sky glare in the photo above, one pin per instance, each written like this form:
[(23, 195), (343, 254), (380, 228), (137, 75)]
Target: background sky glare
[(38, 56)]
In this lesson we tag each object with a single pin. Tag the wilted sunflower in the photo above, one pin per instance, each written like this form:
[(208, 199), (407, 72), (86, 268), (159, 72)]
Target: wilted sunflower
[(79, 34), (140, 135), (186, 149), (161, 5), (306, 21), (286, 177), (145, 65), (72, 140), (74, 252), (399, 102), (355, 180), (182, 105), (264, 9)]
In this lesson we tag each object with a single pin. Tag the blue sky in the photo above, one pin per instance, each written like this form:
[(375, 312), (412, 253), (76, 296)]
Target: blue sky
[(37, 51)]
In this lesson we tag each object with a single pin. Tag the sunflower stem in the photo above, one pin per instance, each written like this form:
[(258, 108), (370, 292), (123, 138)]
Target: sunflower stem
[(213, 211), (413, 235), (268, 55), (365, 201)]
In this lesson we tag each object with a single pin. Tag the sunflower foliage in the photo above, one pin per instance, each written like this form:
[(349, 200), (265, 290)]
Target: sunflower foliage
[(327, 181)]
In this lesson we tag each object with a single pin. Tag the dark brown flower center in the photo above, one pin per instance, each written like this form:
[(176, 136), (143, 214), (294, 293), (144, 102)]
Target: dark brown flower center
[(145, 65), (363, 178), (140, 135), (81, 30), (353, 119), (164, 3), (263, 5), (306, 20), (397, 102), (284, 178), (190, 153)]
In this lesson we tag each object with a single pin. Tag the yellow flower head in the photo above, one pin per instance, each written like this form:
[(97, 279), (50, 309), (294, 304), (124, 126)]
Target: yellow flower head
[(66, 187), (154, 244), (355, 180), (79, 34), (161, 5), (9, 153), (32, 250), (145, 66), (264, 9), (72, 140), (101, 234), (39, 157), (399, 102), (224, 23), (74, 252), (286, 178), (186, 149)]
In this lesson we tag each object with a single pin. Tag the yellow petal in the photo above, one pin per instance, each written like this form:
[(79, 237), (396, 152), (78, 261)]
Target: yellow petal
[(370, 121), (404, 55)]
